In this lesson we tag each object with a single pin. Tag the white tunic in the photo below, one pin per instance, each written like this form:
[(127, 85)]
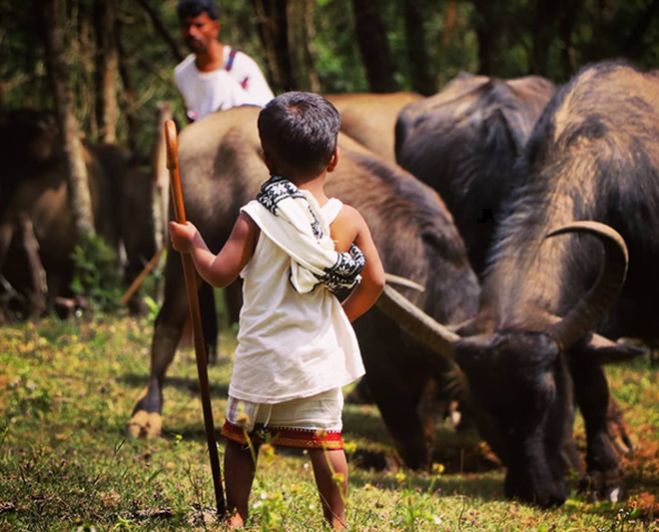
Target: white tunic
[(240, 83), (290, 345)]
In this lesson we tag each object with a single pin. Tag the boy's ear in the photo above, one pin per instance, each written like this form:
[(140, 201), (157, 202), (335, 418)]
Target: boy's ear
[(334, 160)]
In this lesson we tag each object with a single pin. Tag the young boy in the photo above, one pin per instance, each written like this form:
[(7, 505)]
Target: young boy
[(294, 247)]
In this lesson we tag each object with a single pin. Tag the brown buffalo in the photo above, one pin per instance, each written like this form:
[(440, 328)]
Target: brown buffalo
[(35, 185), (222, 170), (464, 141), (370, 118)]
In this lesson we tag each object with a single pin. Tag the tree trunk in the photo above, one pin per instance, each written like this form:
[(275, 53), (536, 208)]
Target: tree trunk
[(79, 197), (374, 46), (129, 97), (417, 53), (272, 25), (160, 28), (81, 73), (39, 286), (569, 11), (543, 31), (107, 111), (300, 36), (486, 28), (160, 176)]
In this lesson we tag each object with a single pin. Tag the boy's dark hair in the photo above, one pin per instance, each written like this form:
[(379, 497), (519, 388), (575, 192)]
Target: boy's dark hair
[(194, 8), (299, 131)]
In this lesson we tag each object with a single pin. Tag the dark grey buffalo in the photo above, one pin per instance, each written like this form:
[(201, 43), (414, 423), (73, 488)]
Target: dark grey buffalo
[(222, 170), (463, 142), (589, 173)]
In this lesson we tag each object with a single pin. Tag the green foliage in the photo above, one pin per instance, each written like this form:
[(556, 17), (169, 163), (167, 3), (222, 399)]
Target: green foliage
[(578, 33), (96, 275)]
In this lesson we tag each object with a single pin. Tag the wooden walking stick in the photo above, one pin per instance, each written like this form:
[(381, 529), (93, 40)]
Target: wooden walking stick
[(193, 302)]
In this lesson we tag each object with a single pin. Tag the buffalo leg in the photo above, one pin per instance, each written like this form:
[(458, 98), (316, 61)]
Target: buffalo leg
[(399, 385), (602, 461), (398, 405), (146, 420)]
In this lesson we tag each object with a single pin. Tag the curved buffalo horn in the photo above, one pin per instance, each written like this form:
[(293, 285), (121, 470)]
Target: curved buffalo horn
[(580, 320), (416, 322), (403, 281)]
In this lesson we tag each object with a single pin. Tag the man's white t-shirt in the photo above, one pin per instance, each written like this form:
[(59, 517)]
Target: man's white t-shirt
[(238, 82)]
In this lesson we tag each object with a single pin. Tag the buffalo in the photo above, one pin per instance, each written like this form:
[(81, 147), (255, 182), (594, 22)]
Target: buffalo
[(34, 185), (463, 142), (370, 118), (552, 297), (222, 170)]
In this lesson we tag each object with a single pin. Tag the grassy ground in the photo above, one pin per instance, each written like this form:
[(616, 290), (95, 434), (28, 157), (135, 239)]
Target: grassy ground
[(67, 390)]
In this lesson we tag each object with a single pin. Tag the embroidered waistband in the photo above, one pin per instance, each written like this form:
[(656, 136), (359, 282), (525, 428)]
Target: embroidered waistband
[(285, 437)]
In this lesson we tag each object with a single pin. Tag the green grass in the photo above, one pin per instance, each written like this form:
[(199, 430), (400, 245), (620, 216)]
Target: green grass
[(67, 390)]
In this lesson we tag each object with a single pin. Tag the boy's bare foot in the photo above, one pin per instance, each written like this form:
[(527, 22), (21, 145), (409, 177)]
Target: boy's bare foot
[(235, 521)]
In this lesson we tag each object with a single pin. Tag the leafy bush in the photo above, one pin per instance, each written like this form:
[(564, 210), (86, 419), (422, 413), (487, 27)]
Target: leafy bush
[(96, 273)]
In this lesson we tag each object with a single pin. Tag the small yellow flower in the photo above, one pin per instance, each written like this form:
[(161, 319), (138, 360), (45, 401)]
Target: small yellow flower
[(400, 477), (438, 468), (267, 450), (338, 477), (349, 447)]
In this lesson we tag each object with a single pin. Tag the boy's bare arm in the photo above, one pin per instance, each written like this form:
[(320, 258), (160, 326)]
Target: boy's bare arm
[(222, 269), (351, 227)]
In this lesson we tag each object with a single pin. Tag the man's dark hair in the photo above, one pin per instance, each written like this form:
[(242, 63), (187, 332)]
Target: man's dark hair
[(299, 130), (194, 8)]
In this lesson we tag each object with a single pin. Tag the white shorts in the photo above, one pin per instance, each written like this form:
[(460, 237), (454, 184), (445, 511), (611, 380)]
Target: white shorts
[(317, 412)]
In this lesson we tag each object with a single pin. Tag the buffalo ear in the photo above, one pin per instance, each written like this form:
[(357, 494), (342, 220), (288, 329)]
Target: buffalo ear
[(604, 351)]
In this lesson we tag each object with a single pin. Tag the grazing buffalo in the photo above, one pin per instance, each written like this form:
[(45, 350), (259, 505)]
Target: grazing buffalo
[(589, 172), (463, 142), (222, 170), (34, 184), (370, 118)]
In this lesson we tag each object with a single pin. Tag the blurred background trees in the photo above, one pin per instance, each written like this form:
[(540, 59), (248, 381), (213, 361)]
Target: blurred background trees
[(119, 54)]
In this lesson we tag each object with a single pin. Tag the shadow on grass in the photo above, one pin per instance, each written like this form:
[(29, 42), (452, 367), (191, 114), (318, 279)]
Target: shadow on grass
[(365, 422), (489, 488), (457, 451), (190, 384)]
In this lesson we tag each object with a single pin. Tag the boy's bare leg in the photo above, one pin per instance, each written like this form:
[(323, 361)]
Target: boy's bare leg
[(331, 471), (239, 469)]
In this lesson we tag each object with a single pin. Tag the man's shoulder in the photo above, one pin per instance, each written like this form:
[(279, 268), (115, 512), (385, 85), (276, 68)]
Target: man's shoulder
[(184, 66), (244, 60)]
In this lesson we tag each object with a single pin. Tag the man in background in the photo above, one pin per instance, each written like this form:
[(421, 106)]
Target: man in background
[(214, 76)]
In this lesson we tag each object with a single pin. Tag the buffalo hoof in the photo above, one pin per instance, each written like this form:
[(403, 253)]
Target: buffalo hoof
[(145, 424), (604, 486), (617, 429)]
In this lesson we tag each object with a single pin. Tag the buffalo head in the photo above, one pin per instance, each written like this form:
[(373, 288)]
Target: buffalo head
[(519, 375)]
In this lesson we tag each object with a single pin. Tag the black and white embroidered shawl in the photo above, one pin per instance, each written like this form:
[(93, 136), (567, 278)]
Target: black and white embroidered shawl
[(299, 229)]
